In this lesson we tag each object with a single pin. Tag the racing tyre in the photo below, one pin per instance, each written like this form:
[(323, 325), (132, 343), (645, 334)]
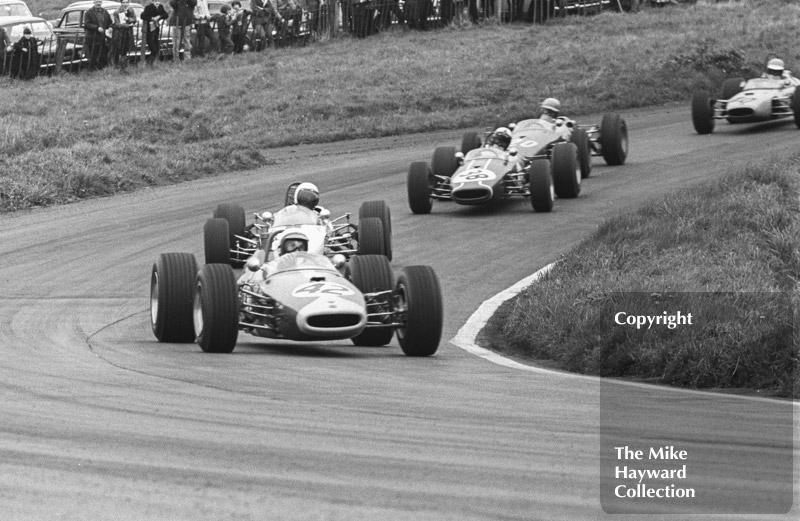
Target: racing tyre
[(731, 87), (419, 188), (216, 241), (702, 113), (541, 186), (370, 237), (566, 177), (614, 139), (418, 298), (289, 199), (216, 309), (796, 107), (171, 292), (234, 214), (371, 273), (581, 140), (444, 161), (470, 141), (380, 210)]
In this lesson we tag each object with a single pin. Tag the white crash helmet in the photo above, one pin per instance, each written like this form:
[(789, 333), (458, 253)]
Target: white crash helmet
[(551, 107), (306, 194), (292, 241), (775, 67), (500, 138)]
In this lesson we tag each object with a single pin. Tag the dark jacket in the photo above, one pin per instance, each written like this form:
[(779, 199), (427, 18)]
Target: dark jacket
[(93, 19), (182, 12), (152, 15), (25, 60)]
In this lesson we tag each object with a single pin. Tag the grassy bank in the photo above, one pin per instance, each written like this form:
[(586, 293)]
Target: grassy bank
[(73, 137), (689, 251)]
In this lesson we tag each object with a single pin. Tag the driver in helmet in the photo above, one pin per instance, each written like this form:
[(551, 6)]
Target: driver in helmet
[(304, 209), (307, 195), (292, 242), (500, 138), (551, 113), (776, 70)]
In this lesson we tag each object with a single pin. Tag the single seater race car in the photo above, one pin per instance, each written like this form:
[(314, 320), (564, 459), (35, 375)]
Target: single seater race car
[(299, 296), (229, 239), (747, 101), (554, 162)]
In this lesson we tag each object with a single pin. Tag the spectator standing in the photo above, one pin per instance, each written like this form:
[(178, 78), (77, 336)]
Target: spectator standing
[(224, 25), (151, 17), (96, 23), (25, 58), (264, 17), (291, 15), (202, 24), (123, 21), (180, 24), (5, 48), (239, 24)]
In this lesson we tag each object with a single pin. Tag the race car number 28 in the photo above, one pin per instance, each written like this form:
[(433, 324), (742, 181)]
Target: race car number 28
[(474, 175), (319, 289)]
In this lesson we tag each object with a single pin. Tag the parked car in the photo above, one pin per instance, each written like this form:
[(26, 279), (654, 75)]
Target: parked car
[(47, 40), (14, 8)]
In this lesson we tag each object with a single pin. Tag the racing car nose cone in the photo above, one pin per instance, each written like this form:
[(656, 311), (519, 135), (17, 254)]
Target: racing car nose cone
[(335, 317)]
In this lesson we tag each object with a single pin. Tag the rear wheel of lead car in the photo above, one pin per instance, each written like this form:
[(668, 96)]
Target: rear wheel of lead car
[(566, 177), (372, 273), (418, 300), (469, 142), (614, 139), (370, 237), (702, 113), (419, 185), (541, 186), (581, 140), (216, 241), (171, 290), (380, 210), (234, 214), (216, 309), (444, 161)]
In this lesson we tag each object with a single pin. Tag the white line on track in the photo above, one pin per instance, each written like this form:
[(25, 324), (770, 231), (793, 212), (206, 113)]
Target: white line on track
[(467, 335)]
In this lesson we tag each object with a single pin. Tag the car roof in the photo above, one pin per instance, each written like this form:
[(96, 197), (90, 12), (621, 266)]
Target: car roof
[(16, 20), (90, 3), (6, 2)]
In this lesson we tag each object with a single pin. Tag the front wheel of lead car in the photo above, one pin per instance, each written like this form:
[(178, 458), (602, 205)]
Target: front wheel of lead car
[(171, 292), (419, 188), (418, 303), (216, 309), (566, 177), (702, 113), (371, 274)]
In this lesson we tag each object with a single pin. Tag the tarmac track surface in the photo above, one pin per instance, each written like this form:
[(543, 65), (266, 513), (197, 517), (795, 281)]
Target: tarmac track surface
[(99, 421)]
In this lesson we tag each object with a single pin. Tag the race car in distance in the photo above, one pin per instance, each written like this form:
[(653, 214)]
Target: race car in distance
[(748, 101), (299, 296), (554, 162), (230, 240)]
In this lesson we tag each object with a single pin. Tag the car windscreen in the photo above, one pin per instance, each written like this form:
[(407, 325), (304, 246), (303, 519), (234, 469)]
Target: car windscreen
[(40, 31), (763, 83), (15, 10)]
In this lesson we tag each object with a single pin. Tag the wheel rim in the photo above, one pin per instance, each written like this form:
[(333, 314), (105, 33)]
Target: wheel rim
[(401, 310), (197, 310), (154, 298)]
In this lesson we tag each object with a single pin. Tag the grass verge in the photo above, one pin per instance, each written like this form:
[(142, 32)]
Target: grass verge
[(72, 137), (728, 251)]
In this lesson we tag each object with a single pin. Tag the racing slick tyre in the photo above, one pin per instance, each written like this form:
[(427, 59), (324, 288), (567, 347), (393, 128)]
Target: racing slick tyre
[(380, 210), (216, 241), (702, 113), (444, 161), (614, 139), (418, 299), (731, 87), (370, 237), (581, 140), (289, 199), (171, 291), (541, 186), (419, 187), (215, 310), (566, 177), (796, 107), (234, 214), (470, 141), (372, 273)]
